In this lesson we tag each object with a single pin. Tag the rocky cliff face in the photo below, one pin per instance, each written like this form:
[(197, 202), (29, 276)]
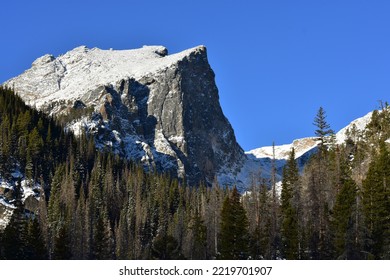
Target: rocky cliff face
[(162, 110)]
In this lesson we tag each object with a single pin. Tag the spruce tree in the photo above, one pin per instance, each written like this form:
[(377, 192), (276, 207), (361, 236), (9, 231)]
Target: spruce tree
[(264, 224), (62, 247), (234, 236), (323, 128), (166, 247), (36, 249), (290, 223), (122, 237), (319, 192), (15, 234), (80, 233), (102, 240), (199, 232), (376, 208), (343, 216), (55, 208)]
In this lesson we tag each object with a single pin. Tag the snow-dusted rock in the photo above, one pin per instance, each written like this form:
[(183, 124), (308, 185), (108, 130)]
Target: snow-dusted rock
[(259, 161), (30, 197), (159, 109), (162, 110), (359, 125)]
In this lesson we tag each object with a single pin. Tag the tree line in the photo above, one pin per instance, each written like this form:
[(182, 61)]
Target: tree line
[(95, 205)]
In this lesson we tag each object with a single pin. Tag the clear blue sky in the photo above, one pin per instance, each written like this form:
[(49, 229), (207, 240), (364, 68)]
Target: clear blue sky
[(275, 61)]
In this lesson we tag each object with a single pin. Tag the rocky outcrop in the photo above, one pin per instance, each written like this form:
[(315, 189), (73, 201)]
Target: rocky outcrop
[(162, 110), (30, 197)]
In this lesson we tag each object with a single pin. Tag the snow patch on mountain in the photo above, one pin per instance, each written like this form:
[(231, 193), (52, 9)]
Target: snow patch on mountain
[(145, 105), (301, 146), (304, 145), (158, 109), (77, 72), (30, 192), (358, 124), (6, 213), (261, 161)]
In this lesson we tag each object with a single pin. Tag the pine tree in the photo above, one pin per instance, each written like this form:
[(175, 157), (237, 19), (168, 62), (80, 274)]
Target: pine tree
[(323, 128), (290, 220), (55, 209), (262, 238), (166, 248), (123, 237), (36, 249), (313, 211), (376, 208), (15, 234), (343, 216), (319, 192), (199, 232), (234, 236), (62, 248), (5, 156), (102, 240), (80, 233)]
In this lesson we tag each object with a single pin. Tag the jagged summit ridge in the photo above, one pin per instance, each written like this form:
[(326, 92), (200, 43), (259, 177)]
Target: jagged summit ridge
[(76, 73), (162, 110)]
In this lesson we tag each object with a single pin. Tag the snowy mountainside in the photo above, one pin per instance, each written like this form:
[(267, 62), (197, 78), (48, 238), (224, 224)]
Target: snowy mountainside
[(161, 110), (301, 146), (304, 145), (358, 124), (52, 82), (158, 109), (259, 161)]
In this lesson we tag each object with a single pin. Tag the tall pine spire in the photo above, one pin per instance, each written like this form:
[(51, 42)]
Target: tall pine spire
[(234, 236)]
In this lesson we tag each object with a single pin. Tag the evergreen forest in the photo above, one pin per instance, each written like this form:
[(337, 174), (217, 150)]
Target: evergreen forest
[(91, 204)]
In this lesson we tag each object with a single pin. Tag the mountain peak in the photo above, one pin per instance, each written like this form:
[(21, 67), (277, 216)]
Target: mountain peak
[(76, 72), (162, 110)]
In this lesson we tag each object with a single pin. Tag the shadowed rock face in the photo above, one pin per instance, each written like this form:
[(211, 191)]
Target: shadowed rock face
[(210, 138), (160, 110)]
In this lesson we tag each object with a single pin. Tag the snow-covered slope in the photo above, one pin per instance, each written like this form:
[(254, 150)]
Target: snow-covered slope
[(259, 161), (162, 110), (143, 104), (76, 73), (304, 145), (358, 125), (301, 146)]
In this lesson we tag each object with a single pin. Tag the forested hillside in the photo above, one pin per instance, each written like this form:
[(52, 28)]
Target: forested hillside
[(94, 205)]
